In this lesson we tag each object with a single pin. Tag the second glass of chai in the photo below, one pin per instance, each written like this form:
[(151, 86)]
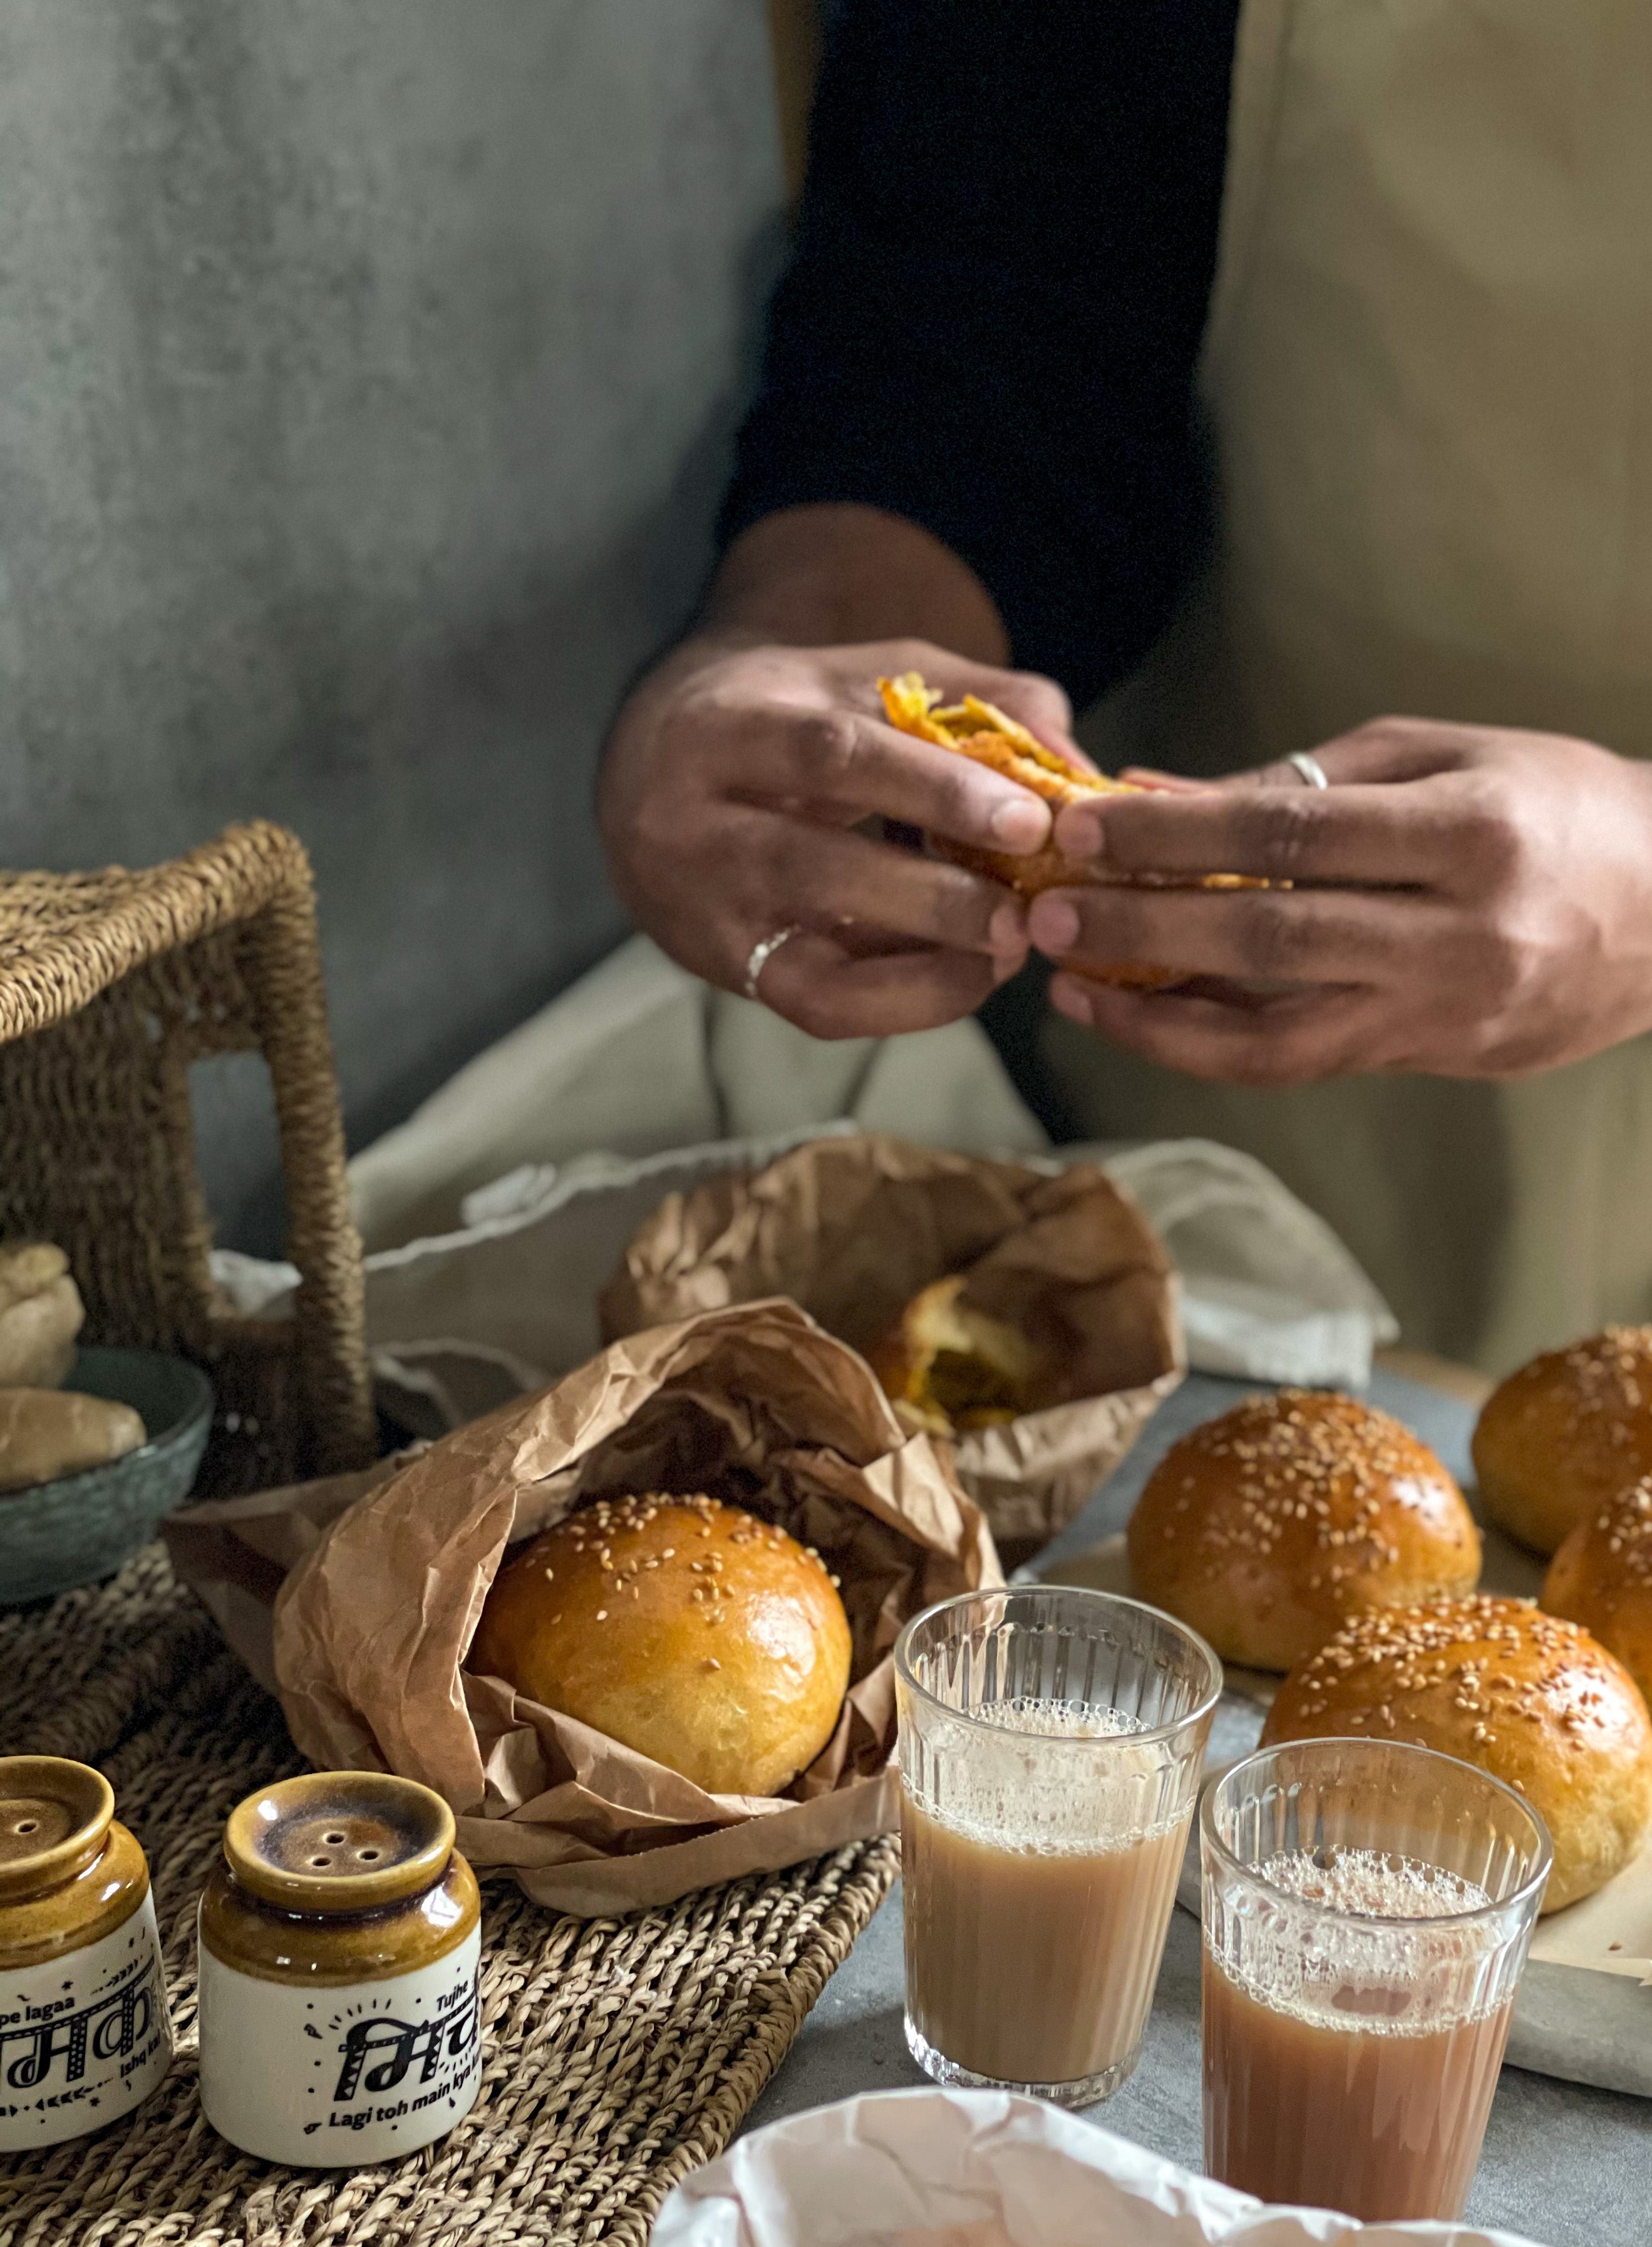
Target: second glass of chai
[(1367, 1909), (1050, 1747)]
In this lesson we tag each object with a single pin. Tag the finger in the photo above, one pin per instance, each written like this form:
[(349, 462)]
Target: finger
[(1291, 1039), (848, 761), (1383, 749), (828, 876), (1413, 835), (815, 983), (1288, 936), (1170, 783)]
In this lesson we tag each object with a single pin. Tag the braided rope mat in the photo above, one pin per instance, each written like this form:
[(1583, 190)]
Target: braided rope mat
[(618, 2054)]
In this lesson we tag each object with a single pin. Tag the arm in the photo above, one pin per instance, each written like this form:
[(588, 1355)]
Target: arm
[(969, 447)]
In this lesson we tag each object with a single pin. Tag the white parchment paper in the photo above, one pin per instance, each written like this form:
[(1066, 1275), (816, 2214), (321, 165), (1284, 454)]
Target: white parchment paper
[(980, 2168)]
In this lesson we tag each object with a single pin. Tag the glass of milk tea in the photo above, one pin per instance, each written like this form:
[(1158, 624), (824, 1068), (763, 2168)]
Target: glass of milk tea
[(1050, 1749), (1367, 1909)]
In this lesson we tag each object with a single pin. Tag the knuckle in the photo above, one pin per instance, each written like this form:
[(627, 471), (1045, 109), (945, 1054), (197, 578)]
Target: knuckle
[(835, 745), (1278, 830), (1507, 962), (1112, 926), (1048, 694), (1500, 852), (1268, 942)]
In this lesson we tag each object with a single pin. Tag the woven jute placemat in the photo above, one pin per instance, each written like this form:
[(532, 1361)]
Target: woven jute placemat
[(618, 2054)]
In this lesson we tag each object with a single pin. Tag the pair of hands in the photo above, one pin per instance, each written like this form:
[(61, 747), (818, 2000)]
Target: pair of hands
[(1467, 901)]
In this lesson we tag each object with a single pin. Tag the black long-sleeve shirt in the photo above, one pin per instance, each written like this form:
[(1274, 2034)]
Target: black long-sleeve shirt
[(991, 318)]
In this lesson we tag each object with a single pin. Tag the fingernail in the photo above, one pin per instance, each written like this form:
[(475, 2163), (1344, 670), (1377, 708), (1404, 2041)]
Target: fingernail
[(1006, 930), (1081, 835), (1069, 997), (1020, 823), (1053, 925)]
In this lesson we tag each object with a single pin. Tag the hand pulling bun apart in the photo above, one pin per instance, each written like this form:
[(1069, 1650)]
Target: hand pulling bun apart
[(978, 730), (1565, 1434), (1533, 1701), (684, 1628), (1267, 1528)]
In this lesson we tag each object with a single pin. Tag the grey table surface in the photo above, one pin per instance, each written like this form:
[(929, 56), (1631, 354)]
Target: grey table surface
[(1563, 2164)]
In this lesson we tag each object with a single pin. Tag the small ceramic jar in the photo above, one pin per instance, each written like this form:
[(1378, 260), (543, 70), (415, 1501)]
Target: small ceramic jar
[(340, 1939), (84, 2033)]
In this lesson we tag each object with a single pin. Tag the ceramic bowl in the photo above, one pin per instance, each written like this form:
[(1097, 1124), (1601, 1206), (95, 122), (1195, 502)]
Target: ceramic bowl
[(81, 1526)]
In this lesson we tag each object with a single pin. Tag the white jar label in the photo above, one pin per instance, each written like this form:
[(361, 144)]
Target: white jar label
[(84, 2038), (350, 2073)]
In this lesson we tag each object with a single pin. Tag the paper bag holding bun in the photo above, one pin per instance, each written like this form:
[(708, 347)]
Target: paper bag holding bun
[(754, 1405), (853, 1229)]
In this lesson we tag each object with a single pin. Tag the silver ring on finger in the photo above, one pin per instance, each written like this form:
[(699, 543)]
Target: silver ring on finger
[(1310, 767), (763, 952)]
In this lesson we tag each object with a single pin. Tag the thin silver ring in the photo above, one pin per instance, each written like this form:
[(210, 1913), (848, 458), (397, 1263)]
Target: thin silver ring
[(1310, 767), (764, 951)]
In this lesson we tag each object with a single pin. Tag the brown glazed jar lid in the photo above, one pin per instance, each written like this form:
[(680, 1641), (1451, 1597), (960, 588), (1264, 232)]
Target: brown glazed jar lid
[(55, 1817), (340, 1841)]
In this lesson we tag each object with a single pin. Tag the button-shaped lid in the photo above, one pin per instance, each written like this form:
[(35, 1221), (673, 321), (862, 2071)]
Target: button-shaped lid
[(54, 1819), (339, 1840)]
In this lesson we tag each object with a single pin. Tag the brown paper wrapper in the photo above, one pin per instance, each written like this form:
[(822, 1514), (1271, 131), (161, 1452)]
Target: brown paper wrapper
[(852, 1228), (367, 1644)]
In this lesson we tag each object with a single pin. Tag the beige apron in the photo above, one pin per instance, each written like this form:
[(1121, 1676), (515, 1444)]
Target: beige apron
[(1429, 368)]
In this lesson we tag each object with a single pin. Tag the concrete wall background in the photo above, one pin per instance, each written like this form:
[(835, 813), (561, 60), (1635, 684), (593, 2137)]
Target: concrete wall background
[(366, 373)]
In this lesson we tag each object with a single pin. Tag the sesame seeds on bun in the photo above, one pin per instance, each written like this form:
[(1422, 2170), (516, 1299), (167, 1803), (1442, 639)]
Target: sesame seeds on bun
[(688, 1631), (1532, 1699), (1565, 1434), (1268, 1528), (1601, 1577)]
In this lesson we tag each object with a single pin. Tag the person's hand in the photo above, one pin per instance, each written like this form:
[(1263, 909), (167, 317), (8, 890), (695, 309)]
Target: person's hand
[(1468, 901), (742, 793)]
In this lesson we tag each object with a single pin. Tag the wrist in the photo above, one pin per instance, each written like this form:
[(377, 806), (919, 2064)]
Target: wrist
[(824, 575)]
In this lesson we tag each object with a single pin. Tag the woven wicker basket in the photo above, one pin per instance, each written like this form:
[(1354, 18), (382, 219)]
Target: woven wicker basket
[(112, 985)]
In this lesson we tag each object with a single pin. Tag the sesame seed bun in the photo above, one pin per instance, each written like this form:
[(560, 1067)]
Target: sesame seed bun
[(1534, 1701), (685, 1629), (1601, 1577), (1565, 1434), (1267, 1528)]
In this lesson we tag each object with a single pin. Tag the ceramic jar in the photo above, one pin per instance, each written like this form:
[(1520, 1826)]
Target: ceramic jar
[(84, 2033), (340, 1938)]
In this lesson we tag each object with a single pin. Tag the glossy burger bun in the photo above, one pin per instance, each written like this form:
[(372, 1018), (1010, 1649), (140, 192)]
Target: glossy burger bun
[(1267, 1528), (684, 1628), (1601, 1577), (1565, 1433), (1535, 1701)]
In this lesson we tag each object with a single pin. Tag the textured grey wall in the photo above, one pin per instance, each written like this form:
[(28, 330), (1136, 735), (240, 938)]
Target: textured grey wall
[(366, 370)]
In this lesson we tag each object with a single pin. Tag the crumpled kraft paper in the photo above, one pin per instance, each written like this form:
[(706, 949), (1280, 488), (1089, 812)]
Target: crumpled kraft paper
[(852, 1228), (982, 2169), (754, 1404)]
